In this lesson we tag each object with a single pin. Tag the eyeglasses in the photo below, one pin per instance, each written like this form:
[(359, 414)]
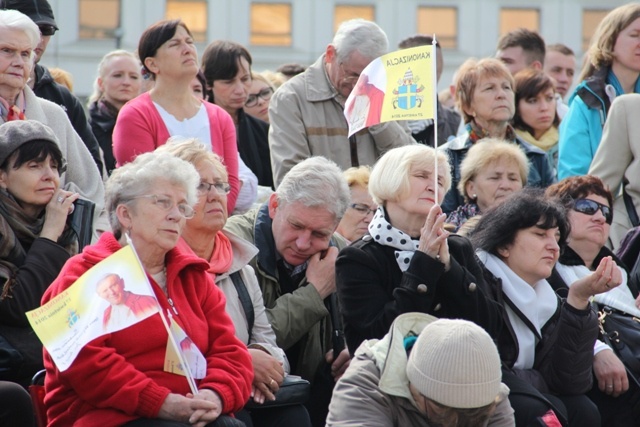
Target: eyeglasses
[(166, 203), (221, 187), (362, 208), (264, 94), (590, 207), (349, 77), (47, 30)]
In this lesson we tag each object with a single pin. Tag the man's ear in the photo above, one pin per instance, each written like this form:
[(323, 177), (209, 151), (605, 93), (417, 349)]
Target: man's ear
[(536, 65), (330, 54), (273, 205)]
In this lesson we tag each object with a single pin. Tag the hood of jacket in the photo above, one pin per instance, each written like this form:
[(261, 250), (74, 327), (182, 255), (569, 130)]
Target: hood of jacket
[(243, 253)]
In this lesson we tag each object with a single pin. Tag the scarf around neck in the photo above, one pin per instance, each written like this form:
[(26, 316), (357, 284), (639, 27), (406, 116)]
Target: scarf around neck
[(536, 303), (222, 255), (13, 112), (548, 140), (17, 233), (476, 133), (387, 235)]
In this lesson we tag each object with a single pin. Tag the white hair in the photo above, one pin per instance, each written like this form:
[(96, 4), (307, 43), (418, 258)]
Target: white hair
[(14, 20), (316, 182), (136, 178), (360, 35)]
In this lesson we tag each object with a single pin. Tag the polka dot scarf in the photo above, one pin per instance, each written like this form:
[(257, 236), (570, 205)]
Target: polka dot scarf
[(387, 235)]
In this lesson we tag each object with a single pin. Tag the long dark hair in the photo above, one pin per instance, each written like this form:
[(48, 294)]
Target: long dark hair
[(529, 84), (155, 36)]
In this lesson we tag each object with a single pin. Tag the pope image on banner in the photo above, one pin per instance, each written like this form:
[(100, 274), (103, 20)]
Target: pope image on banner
[(397, 86)]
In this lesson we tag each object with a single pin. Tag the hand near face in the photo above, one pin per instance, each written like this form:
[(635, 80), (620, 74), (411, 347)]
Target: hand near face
[(606, 277), (321, 271), (268, 375), (610, 373), (433, 237), (56, 213)]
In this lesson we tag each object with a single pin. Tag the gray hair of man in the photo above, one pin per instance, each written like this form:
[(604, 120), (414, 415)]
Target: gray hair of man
[(316, 182), (138, 177), (359, 34), (14, 20)]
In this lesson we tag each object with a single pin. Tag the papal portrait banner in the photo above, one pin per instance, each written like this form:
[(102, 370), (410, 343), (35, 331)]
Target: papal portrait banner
[(79, 314), (400, 85)]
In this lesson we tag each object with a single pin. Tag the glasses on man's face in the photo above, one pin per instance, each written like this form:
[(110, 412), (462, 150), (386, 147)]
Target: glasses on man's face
[(349, 76), (166, 203), (264, 94), (47, 30), (361, 208), (590, 207), (222, 188)]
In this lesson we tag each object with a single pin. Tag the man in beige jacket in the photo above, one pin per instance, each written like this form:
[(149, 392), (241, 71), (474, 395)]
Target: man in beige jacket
[(306, 113)]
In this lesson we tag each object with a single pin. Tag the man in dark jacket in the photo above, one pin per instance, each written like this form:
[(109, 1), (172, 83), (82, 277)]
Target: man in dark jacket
[(41, 81)]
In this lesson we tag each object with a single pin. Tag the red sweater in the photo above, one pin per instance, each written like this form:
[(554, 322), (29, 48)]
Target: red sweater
[(119, 377), (140, 129)]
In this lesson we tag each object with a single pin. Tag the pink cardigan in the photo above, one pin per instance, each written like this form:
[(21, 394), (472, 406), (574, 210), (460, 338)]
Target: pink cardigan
[(140, 129)]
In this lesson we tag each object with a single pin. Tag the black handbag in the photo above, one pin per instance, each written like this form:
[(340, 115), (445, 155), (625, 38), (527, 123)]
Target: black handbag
[(621, 331), (293, 391)]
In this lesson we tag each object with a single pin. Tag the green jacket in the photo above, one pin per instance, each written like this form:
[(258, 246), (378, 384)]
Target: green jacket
[(300, 315)]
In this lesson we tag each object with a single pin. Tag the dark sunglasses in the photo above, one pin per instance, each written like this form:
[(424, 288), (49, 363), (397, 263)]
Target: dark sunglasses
[(47, 30), (590, 207)]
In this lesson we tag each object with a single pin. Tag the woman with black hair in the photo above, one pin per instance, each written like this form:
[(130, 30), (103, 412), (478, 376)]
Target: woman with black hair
[(546, 343), (168, 54), (227, 70), (35, 241)]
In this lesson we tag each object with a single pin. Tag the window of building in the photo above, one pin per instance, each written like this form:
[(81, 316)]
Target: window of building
[(99, 19), (590, 20), (441, 21), (512, 19), (271, 24), (193, 13), (345, 12)]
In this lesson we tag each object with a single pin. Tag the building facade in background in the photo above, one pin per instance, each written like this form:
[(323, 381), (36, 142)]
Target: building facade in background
[(281, 31)]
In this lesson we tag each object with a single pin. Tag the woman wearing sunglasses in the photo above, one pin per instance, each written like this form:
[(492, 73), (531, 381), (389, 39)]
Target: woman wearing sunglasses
[(588, 207)]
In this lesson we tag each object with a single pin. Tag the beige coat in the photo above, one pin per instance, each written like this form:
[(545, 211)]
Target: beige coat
[(374, 391), (307, 119), (618, 159)]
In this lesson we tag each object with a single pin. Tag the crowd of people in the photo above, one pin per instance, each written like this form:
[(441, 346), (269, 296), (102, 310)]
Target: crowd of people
[(409, 279)]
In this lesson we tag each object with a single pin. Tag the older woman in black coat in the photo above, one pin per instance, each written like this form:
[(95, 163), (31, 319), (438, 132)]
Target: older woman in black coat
[(407, 261)]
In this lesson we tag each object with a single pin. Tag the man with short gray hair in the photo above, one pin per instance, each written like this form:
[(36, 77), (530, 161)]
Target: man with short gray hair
[(295, 267), (306, 113)]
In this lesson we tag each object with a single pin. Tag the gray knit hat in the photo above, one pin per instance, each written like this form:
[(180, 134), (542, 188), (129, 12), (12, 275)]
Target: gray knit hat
[(455, 363), (17, 132)]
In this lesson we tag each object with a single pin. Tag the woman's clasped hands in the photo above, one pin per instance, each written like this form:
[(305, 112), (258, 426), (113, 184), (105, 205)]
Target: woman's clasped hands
[(433, 237)]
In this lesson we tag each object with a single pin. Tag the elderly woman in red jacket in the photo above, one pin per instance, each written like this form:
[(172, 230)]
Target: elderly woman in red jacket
[(119, 378)]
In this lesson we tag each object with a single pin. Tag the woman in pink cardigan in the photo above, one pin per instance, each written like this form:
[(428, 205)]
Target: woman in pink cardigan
[(169, 56)]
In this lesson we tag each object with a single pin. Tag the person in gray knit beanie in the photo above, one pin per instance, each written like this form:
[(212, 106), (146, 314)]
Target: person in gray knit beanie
[(455, 363)]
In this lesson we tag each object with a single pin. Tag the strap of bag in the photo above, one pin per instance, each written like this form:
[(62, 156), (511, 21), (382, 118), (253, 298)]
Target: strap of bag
[(628, 203), (245, 299), (353, 146)]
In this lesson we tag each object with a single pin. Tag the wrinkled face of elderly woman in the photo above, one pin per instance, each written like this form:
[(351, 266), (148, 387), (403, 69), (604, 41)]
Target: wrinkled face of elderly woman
[(493, 101), (494, 183), (155, 219), (422, 191), (211, 209), (588, 222), (15, 62)]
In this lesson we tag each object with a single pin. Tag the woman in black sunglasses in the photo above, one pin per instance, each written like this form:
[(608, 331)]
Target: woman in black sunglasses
[(588, 205)]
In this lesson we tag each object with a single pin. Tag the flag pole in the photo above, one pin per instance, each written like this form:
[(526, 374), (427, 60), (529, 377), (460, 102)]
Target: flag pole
[(190, 380), (434, 82)]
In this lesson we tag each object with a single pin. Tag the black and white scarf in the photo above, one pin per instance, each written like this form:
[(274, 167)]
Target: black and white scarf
[(387, 235)]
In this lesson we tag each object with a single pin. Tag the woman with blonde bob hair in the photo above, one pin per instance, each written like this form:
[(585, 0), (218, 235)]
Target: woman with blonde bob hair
[(407, 261), (485, 96), (357, 217), (492, 170)]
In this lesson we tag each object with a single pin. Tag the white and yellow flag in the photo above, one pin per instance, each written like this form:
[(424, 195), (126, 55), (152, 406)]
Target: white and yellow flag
[(89, 308), (400, 85)]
